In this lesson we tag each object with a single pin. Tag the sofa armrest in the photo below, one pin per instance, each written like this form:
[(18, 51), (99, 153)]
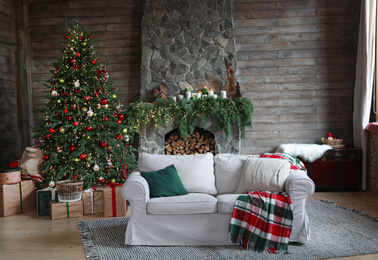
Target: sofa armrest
[(136, 191), (299, 185)]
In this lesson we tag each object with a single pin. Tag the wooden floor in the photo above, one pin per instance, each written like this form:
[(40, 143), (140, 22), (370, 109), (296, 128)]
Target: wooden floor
[(29, 236)]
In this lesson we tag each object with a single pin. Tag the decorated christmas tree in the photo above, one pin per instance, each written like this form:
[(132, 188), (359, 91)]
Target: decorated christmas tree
[(84, 133)]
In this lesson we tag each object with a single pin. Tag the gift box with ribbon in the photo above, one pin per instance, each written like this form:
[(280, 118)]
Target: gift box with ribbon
[(114, 204), (17, 198), (43, 200), (93, 200), (64, 210)]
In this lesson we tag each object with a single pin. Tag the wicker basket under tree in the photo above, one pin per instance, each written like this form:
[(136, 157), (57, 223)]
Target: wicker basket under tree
[(69, 190)]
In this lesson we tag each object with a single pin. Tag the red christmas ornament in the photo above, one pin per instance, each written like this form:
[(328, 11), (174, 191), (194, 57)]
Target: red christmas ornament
[(67, 37), (98, 60), (124, 174), (119, 121), (78, 54), (104, 101), (76, 91), (83, 156), (72, 60), (48, 136), (96, 94), (119, 137), (75, 176), (69, 118), (72, 148), (121, 117), (65, 110), (75, 123), (102, 180), (81, 37), (93, 62), (90, 36), (88, 128), (51, 130), (47, 157), (87, 98), (103, 144), (106, 119)]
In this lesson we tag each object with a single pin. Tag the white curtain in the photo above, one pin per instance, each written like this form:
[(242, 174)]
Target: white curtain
[(364, 80)]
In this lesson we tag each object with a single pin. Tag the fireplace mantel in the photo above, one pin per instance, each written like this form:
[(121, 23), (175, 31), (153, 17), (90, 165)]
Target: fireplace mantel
[(225, 118)]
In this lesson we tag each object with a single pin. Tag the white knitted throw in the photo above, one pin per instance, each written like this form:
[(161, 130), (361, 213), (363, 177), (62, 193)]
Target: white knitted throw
[(307, 152)]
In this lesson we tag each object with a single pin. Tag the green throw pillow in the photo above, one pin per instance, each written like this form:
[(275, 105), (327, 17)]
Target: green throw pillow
[(164, 182)]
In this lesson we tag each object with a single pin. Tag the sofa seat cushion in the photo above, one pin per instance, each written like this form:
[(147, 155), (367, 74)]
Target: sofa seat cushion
[(192, 203), (226, 202)]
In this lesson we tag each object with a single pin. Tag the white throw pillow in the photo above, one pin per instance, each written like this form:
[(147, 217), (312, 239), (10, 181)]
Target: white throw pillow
[(196, 171), (263, 174), (228, 169)]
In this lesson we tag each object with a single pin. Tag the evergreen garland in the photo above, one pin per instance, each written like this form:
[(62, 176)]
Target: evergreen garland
[(186, 114)]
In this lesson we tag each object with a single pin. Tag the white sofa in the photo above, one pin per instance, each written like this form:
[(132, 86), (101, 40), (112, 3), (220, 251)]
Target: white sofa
[(202, 216)]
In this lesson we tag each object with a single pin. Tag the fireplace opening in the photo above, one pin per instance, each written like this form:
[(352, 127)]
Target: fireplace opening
[(200, 142)]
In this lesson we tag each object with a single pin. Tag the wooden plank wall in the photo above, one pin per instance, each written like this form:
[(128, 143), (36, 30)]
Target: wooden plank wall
[(9, 149), (116, 26), (296, 61)]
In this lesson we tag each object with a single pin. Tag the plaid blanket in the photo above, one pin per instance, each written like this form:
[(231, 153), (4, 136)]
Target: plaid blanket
[(296, 164), (262, 221)]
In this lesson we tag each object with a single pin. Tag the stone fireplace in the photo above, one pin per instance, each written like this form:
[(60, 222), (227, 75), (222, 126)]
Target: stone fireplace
[(153, 141), (186, 44)]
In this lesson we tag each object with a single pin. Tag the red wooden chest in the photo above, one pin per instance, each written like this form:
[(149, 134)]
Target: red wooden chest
[(337, 169)]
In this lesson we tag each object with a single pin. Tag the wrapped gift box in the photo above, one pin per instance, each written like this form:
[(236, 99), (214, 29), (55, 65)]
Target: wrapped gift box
[(10, 176), (43, 200), (93, 201), (114, 203), (17, 198), (63, 210)]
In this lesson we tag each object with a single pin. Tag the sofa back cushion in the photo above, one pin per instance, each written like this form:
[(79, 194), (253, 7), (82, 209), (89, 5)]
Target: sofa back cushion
[(196, 171), (228, 169)]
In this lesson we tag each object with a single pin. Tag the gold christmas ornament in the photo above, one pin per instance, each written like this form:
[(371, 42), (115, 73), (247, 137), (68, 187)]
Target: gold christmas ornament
[(84, 109), (62, 130)]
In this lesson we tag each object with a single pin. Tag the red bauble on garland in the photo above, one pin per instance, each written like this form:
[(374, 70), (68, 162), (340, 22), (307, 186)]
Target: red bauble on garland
[(119, 121), (121, 117), (93, 62), (87, 98), (78, 54), (51, 130), (119, 137), (88, 128), (106, 118), (46, 157), (75, 123), (69, 118)]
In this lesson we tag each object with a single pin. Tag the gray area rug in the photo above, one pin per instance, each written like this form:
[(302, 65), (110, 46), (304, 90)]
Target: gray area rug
[(335, 232)]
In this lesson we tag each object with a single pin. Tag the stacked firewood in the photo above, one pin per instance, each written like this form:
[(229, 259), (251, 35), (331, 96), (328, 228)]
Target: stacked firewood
[(196, 143)]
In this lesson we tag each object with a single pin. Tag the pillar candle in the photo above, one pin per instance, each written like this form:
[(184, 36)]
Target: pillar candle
[(223, 94), (211, 92), (188, 94)]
